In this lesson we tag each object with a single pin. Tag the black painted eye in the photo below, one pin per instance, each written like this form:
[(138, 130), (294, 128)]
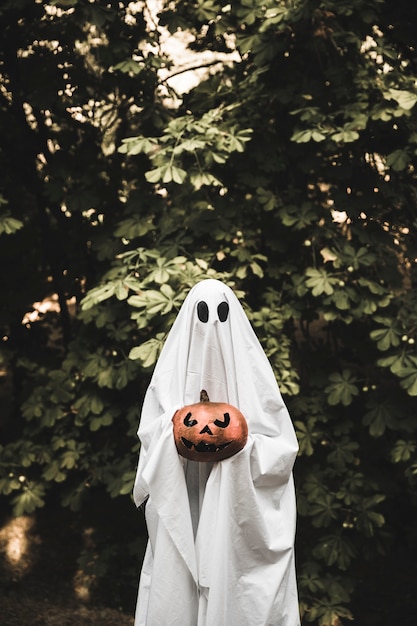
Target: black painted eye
[(202, 311), (188, 422), (223, 311), (225, 423)]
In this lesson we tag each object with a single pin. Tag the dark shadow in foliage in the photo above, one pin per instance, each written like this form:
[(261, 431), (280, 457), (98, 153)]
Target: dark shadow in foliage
[(72, 560)]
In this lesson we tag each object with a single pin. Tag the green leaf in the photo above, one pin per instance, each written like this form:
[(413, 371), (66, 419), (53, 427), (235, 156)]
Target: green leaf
[(328, 613), (155, 175), (325, 509), (368, 520), (299, 217), (304, 136), (405, 99), (248, 43), (137, 145), (199, 179), (120, 290), (29, 499), (402, 364), (53, 472), (9, 484), (378, 418), (398, 160), (129, 66), (178, 175), (120, 483), (275, 15), (385, 338), (9, 225), (355, 257), (341, 299), (171, 173), (409, 383), (343, 452), (336, 549), (403, 451), (97, 295), (148, 352), (345, 136), (134, 226), (64, 3), (320, 282), (98, 422), (306, 436), (342, 388), (162, 301), (309, 578)]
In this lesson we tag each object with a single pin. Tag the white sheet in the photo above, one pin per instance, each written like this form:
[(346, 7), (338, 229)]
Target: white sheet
[(221, 536)]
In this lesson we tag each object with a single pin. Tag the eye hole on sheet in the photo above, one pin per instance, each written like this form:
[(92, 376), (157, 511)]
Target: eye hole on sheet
[(223, 311), (203, 311)]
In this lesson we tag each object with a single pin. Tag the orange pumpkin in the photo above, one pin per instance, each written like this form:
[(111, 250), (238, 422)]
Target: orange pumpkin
[(209, 431)]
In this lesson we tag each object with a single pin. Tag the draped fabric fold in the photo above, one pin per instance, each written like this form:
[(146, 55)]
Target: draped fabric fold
[(221, 535)]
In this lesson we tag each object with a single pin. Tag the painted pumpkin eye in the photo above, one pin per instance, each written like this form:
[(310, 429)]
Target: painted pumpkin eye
[(223, 311), (189, 422), (225, 423), (203, 311)]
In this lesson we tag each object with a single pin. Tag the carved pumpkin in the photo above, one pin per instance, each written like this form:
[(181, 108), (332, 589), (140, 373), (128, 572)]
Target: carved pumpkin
[(209, 431)]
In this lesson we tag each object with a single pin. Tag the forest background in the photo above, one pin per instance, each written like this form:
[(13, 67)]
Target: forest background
[(287, 170)]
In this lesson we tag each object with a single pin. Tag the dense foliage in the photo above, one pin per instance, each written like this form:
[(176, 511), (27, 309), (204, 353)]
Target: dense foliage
[(289, 173)]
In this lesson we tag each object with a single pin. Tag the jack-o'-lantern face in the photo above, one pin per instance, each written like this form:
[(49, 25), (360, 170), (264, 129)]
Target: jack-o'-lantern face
[(209, 431)]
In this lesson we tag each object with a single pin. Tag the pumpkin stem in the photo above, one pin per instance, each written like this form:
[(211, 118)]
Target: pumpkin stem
[(203, 396)]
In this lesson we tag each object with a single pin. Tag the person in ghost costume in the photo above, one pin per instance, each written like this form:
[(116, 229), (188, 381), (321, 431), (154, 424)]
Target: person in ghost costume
[(221, 535)]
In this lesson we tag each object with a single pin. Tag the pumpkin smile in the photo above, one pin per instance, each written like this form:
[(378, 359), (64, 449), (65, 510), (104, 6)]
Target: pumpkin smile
[(202, 446)]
